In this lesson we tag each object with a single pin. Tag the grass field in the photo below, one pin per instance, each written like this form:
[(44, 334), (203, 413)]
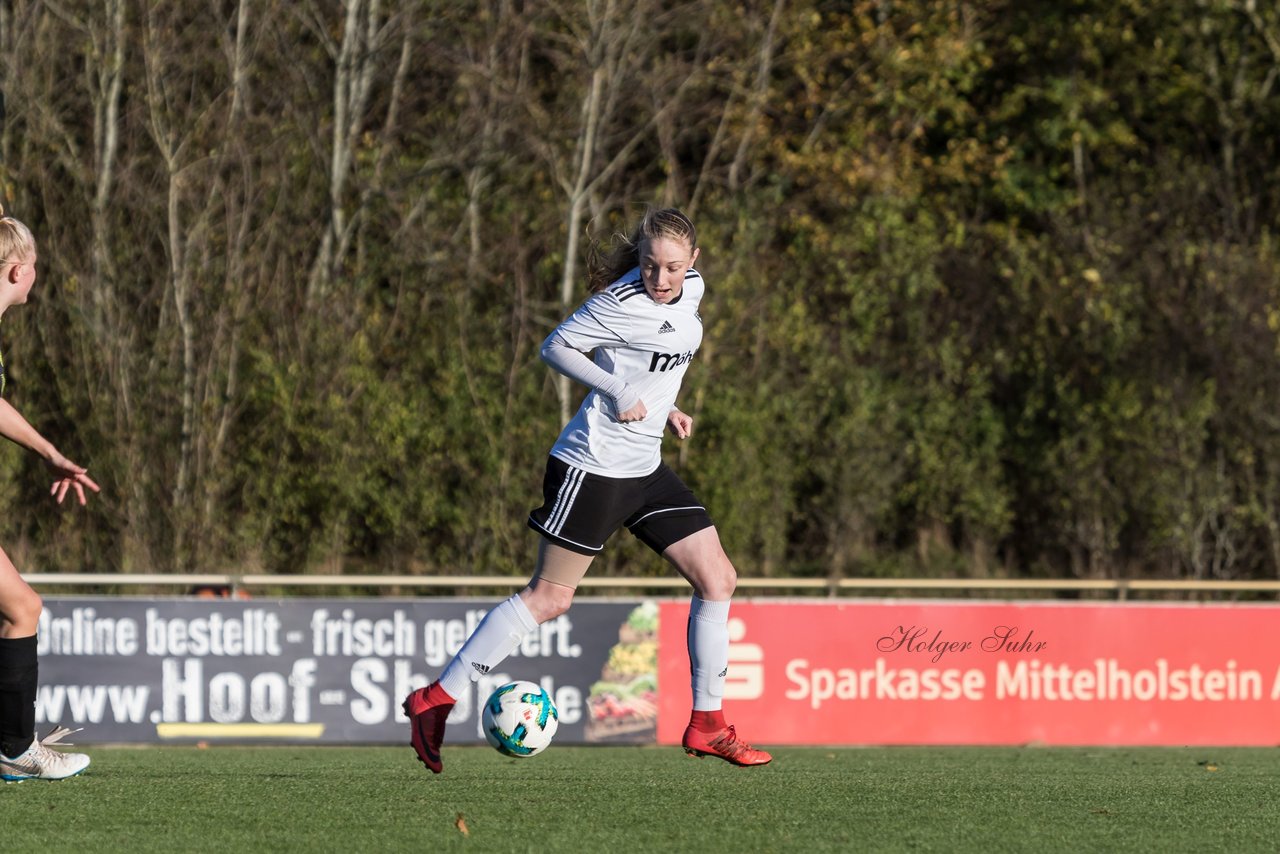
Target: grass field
[(654, 799)]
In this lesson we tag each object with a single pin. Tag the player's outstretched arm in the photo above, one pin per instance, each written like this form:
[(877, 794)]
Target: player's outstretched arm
[(67, 475)]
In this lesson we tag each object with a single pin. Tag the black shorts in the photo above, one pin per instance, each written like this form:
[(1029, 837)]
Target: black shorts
[(581, 510)]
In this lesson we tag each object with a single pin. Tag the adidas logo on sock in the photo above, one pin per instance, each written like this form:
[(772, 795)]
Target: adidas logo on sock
[(666, 327), (724, 673), (483, 668)]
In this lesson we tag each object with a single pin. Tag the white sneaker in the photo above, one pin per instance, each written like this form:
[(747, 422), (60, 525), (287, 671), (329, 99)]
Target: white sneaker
[(41, 763)]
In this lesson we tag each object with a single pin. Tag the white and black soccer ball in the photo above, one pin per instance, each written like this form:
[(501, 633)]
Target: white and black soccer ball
[(519, 719)]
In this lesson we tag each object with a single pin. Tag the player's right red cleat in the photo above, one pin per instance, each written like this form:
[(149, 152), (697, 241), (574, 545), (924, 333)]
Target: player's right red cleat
[(427, 709), (725, 744)]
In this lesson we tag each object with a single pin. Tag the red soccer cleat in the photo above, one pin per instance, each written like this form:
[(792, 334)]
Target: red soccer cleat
[(724, 744), (427, 709)]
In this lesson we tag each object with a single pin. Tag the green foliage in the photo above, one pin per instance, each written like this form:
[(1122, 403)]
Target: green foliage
[(992, 287)]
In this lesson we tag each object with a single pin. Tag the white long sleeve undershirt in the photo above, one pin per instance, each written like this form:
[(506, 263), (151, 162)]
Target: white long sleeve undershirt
[(577, 366)]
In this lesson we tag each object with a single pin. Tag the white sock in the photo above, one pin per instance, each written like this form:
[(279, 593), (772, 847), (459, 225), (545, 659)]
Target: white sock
[(497, 636), (708, 652)]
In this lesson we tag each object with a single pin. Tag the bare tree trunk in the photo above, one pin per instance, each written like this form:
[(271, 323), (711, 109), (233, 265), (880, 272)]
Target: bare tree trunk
[(759, 95), (353, 78), (219, 399), (106, 144), (577, 202), (173, 134)]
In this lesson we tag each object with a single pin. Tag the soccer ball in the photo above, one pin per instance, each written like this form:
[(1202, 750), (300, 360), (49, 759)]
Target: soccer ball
[(520, 719)]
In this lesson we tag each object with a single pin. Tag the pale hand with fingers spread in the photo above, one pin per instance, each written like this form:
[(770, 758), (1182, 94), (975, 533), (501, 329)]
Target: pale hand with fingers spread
[(680, 424)]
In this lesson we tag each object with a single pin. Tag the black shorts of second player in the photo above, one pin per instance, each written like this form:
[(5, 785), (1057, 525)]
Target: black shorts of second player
[(581, 510)]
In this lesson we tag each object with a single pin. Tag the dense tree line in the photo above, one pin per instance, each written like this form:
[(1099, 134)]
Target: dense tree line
[(994, 287)]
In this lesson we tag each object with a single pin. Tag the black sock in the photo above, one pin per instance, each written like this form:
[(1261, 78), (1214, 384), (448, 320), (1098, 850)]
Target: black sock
[(19, 674)]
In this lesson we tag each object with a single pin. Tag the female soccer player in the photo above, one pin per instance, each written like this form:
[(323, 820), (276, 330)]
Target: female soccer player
[(606, 470), (22, 757)]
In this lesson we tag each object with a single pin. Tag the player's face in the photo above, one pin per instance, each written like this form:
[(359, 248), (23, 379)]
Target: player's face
[(663, 263)]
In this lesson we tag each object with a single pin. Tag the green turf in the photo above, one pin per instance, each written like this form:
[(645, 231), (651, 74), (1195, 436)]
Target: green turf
[(654, 799)]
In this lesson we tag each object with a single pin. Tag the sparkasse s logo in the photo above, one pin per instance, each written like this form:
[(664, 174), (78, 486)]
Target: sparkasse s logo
[(745, 680)]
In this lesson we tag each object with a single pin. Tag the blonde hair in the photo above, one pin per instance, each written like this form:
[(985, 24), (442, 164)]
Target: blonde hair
[(16, 242), (603, 269)]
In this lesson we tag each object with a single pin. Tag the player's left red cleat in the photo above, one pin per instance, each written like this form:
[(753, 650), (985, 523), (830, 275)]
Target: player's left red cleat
[(724, 744), (427, 709)]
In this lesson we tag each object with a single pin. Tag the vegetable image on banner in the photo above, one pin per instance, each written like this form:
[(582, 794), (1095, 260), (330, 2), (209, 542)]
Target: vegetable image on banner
[(624, 702)]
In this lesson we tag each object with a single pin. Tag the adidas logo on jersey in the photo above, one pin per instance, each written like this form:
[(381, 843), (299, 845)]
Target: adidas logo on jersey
[(666, 327)]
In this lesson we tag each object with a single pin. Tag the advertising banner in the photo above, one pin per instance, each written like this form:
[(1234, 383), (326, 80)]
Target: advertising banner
[(324, 670), (929, 672)]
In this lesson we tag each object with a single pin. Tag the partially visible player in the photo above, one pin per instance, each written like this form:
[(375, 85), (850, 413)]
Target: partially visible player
[(606, 470), (22, 757)]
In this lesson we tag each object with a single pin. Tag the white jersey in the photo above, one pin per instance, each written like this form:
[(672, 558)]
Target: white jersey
[(649, 346)]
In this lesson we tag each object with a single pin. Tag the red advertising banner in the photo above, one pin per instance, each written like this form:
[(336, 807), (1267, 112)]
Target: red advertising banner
[(930, 672)]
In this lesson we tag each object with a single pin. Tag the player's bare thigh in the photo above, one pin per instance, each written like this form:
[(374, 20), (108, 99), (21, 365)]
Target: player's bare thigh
[(700, 558), (19, 604)]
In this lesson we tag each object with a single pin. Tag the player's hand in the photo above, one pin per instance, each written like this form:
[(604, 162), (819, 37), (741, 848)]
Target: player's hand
[(635, 413), (69, 476), (680, 424)]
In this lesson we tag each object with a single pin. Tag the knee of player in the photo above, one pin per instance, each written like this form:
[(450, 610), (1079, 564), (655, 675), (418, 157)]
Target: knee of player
[(555, 607), (721, 582), (546, 601), (23, 610)]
